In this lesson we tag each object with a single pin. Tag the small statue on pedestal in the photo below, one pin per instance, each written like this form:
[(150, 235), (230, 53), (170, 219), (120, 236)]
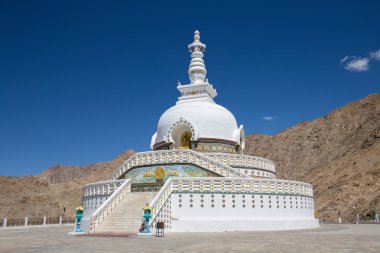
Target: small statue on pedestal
[(145, 228)]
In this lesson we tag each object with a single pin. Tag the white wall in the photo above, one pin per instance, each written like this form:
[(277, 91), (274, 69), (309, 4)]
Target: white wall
[(230, 212), (92, 203), (241, 225)]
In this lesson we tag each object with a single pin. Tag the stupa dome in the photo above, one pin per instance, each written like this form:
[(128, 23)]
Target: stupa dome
[(203, 119)]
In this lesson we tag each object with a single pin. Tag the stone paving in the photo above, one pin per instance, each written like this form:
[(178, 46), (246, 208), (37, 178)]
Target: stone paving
[(327, 238)]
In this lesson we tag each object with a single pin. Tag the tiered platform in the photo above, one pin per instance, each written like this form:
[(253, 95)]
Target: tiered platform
[(232, 201)]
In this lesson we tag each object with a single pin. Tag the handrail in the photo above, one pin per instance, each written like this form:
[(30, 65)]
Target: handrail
[(160, 199), (244, 161), (163, 188), (240, 155), (104, 209), (155, 157), (220, 163)]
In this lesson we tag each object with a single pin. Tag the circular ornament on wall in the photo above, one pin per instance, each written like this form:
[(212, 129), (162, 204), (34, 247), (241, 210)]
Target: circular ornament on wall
[(159, 173)]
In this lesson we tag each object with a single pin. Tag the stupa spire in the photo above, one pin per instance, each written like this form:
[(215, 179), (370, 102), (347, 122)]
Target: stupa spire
[(197, 69), (199, 88)]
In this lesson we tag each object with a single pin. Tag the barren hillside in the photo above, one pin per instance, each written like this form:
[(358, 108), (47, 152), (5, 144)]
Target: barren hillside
[(339, 154), (47, 193)]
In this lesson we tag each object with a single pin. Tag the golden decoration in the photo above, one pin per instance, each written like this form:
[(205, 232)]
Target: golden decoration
[(147, 207), (147, 174), (185, 140), (159, 173), (173, 173)]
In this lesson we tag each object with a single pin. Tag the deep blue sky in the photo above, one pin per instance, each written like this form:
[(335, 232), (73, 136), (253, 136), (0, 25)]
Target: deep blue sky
[(82, 81)]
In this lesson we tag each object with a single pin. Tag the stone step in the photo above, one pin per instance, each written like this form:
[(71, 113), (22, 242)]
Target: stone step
[(106, 226), (127, 215), (110, 224), (110, 228), (135, 228), (121, 222), (118, 231)]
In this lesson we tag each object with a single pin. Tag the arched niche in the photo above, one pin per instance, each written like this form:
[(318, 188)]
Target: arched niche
[(181, 134)]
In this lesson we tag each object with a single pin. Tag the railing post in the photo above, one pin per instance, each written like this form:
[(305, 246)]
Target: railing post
[(26, 221), (44, 221), (5, 222), (60, 220)]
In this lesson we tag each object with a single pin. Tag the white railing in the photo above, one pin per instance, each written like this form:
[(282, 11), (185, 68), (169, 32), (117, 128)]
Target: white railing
[(103, 188), (34, 221), (257, 172), (102, 212), (226, 185), (177, 156), (243, 185), (243, 161)]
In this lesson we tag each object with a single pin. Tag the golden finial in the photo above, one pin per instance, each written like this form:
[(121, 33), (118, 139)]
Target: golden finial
[(147, 207)]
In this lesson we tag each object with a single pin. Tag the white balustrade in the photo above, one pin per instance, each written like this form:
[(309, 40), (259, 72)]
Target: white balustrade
[(243, 161), (103, 188), (102, 212), (159, 200), (226, 185)]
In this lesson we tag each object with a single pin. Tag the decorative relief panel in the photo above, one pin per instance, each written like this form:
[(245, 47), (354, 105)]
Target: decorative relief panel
[(160, 173)]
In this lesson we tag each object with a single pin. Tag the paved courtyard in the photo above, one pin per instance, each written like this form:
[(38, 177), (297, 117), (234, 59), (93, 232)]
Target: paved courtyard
[(327, 238)]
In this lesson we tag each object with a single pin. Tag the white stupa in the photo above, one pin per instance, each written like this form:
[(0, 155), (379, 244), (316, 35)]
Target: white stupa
[(196, 178), (197, 113)]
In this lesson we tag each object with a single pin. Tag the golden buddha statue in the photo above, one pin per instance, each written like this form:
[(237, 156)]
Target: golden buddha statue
[(185, 140)]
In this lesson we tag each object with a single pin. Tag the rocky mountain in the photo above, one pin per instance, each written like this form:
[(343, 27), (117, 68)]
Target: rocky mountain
[(63, 173), (47, 193), (339, 154), (91, 173)]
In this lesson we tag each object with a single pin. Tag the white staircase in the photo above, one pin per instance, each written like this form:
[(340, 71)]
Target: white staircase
[(127, 215)]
